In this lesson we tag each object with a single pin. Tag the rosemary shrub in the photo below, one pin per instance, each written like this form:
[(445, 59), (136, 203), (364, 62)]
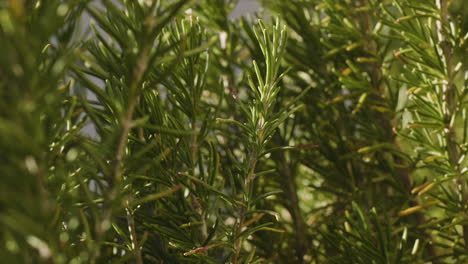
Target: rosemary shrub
[(167, 132)]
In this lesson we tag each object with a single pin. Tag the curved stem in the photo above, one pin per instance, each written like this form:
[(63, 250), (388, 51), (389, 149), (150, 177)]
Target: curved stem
[(140, 68)]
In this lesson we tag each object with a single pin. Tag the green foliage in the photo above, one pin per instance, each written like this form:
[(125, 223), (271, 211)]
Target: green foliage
[(167, 132)]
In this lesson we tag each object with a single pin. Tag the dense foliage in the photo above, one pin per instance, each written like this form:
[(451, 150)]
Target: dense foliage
[(163, 131)]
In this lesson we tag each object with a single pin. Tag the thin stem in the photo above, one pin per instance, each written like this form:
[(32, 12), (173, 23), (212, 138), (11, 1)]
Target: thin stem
[(133, 236), (253, 159), (117, 171), (450, 98), (195, 204), (261, 118), (385, 121)]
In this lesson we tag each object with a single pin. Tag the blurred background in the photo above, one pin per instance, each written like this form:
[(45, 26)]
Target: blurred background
[(245, 7)]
